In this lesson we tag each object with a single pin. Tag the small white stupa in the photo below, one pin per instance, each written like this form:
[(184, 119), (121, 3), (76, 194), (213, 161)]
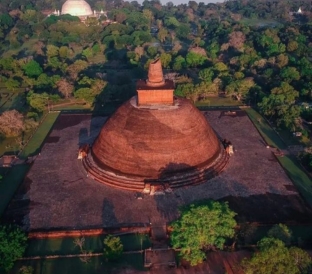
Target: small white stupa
[(76, 8)]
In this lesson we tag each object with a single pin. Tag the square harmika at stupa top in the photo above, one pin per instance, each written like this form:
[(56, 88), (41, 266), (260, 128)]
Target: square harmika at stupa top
[(155, 90)]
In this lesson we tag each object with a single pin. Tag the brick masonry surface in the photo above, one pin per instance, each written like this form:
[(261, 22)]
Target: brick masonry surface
[(58, 194)]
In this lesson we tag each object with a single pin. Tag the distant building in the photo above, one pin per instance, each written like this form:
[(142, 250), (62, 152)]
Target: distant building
[(78, 8), (299, 12)]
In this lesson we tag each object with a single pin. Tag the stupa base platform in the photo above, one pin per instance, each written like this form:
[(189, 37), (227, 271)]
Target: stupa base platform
[(187, 177)]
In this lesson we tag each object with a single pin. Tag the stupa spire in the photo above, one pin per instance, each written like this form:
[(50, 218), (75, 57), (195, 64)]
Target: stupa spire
[(155, 74)]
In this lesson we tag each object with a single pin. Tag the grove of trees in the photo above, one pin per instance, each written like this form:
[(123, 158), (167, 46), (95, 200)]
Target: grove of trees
[(209, 45)]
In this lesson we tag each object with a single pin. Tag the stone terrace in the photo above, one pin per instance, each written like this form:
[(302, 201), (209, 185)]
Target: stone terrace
[(58, 194)]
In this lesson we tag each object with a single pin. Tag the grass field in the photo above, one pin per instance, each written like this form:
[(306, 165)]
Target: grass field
[(291, 165), (35, 143), (71, 107), (63, 246), (12, 177), (76, 266), (13, 100), (218, 101), (10, 183), (270, 136), (300, 179)]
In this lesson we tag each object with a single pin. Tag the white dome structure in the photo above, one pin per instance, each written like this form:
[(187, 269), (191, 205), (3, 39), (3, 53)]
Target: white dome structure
[(76, 8)]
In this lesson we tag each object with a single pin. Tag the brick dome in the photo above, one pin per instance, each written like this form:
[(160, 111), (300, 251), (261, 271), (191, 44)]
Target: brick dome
[(165, 144)]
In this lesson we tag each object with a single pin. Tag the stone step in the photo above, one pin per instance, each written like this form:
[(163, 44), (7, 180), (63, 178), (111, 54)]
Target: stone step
[(192, 177)]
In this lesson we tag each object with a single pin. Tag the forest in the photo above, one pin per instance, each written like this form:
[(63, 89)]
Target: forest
[(254, 52)]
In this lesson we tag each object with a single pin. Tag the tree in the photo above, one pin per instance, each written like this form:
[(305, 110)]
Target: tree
[(289, 74), (32, 69), (165, 59), (12, 84), (63, 52), (26, 270), (11, 123), (220, 67), (206, 74), (65, 87), (152, 51), (183, 31), (148, 15), (113, 247), (280, 232), (273, 257), (162, 34), (240, 88), (237, 40), (80, 243), (282, 60), (86, 94), (280, 104), (179, 63), (52, 51), (76, 67), (12, 246), (37, 101), (194, 59), (202, 228), (98, 85), (292, 46)]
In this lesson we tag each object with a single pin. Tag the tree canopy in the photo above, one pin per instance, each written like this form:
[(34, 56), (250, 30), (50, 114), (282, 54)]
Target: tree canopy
[(113, 247), (202, 228), (273, 257), (12, 246)]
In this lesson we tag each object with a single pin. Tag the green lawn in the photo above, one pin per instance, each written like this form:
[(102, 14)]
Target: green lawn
[(291, 140), (35, 143), (72, 107), (291, 165), (218, 101), (301, 179), (76, 266), (265, 129), (14, 176), (63, 246), (12, 101), (10, 183)]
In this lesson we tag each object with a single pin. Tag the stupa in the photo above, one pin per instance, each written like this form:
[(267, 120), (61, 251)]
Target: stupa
[(155, 141), (78, 8)]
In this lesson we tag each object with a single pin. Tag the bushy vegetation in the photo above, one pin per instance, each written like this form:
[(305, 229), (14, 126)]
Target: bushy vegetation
[(202, 228), (113, 247), (265, 64), (12, 246), (275, 255)]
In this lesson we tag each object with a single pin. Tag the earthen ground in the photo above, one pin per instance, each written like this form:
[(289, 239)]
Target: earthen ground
[(57, 194)]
